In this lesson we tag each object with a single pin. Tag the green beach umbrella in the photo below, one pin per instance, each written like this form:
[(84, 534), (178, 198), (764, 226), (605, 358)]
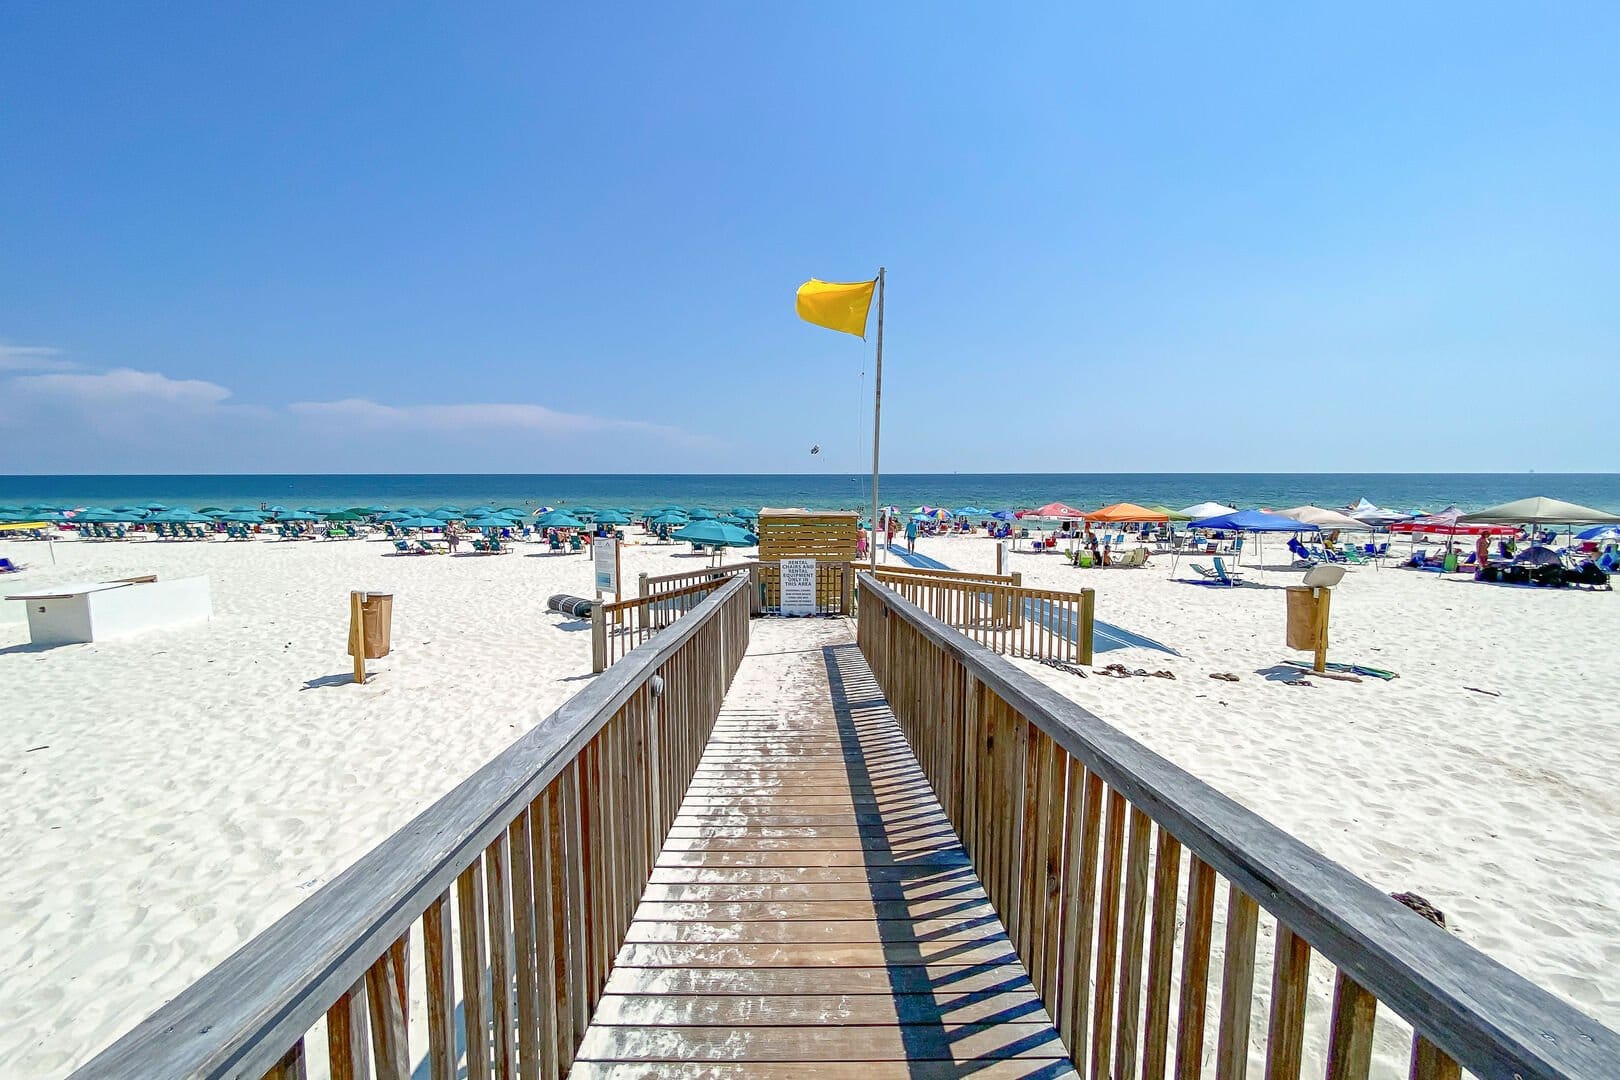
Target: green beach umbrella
[(366, 511), (559, 519), (715, 533), (421, 523), (611, 517), (342, 515)]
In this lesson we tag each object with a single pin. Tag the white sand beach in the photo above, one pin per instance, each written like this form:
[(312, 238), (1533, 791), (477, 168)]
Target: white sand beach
[(171, 794)]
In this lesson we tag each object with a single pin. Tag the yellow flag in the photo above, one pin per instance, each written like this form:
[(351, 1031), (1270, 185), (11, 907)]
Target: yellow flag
[(836, 305)]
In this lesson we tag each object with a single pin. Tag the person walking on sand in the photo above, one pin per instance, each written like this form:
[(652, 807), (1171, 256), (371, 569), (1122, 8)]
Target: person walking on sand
[(911, 535), (452, 537)]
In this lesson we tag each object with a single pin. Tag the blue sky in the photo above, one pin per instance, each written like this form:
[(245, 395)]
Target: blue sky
[(356, 237)]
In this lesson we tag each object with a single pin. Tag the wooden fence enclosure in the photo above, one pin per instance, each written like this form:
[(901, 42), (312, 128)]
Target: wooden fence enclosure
[(1000, 614)]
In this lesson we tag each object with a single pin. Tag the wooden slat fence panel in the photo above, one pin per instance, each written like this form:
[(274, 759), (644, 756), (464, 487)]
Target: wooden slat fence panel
[(973, 720), (524, 879)]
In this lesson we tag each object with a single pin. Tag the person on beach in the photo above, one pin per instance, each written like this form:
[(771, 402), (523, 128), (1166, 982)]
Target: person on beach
[(452, 537), (911, 535), (1482, 551), (860, 544)]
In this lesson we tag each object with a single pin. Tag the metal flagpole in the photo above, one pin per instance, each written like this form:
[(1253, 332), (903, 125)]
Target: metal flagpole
[(877, 421)]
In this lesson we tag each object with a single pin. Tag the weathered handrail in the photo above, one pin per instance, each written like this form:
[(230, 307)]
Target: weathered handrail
[(619, 626), (524, 879), (1038, 624), (1044, 795)]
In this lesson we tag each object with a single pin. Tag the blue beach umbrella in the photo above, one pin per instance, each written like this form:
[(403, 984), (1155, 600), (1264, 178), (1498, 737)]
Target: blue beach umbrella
[(1004, 515), (296, 515), (559, 519), (968, 511), (701, 514), (669, 517), (715, 533), (421, 523)]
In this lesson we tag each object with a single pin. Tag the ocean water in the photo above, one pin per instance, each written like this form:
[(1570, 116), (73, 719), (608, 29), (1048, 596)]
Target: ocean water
[(1401, 491)]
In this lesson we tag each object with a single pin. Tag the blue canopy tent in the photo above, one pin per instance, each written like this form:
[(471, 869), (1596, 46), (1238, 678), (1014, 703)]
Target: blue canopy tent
[(1259, 522)]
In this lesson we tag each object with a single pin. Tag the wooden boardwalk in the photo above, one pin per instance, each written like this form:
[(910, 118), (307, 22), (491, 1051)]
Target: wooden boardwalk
[(812, 912)]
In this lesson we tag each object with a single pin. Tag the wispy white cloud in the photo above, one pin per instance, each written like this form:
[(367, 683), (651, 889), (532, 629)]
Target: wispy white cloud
[(480, 417), (32, 358), (121, 386)]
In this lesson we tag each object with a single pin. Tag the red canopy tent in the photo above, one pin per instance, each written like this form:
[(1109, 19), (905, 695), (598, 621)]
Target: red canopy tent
[(1447, 523), (1056, 511)]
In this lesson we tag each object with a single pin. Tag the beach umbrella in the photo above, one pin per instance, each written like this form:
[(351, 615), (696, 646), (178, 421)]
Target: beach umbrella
[(1057, 511), (249, 517), (611, 517), (715, 533), (1540, 511), (543, 510), (421, 523), (395, 515), (700, 514), (297, 515), (1538, 555), (95, 517), (1206, 510), (669, 517), (443, 514), (210, 509), (559, 519), (316, 510), (490, 523), (275, 511), (1003, 515), (582, 511), (1452, 522), (480, 511), (744, 512), (180, 517), (969, 511), (155, 507), (366, 511), (1169, 514), (1600, 532), (413, 511), (510, 511), (1324, 519), (342, 515)]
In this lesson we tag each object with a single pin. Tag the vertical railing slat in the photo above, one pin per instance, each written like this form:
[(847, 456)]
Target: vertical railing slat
[(1237, 985)]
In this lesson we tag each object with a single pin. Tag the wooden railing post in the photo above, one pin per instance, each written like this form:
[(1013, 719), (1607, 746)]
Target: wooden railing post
[(1088, 624), (599, 658), (641, 584)]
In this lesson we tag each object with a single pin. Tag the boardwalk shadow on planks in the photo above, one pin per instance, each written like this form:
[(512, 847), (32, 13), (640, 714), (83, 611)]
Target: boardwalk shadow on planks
[(938, 1036)]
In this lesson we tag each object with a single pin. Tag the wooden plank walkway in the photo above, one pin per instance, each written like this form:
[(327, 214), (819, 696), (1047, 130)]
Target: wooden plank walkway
[(812, 912)]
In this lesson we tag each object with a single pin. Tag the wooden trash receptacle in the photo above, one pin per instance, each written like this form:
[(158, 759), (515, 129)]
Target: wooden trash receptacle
[(1304, 608), (371, 621)]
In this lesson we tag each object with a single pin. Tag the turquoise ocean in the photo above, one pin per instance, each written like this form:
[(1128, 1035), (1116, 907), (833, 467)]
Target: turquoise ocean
[(1399, 491)]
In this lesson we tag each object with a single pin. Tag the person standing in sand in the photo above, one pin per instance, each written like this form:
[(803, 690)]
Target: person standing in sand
[(911, 535), (1482, 550), (452, 537)]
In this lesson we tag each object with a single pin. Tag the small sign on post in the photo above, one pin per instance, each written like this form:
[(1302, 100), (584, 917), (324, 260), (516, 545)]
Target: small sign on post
[(605, 550), (798, 586)]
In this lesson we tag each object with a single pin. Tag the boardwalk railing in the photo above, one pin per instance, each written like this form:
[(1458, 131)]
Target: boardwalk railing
[(1094, 850), (835, 584), (515, 889), (620, 626), (998, 613)]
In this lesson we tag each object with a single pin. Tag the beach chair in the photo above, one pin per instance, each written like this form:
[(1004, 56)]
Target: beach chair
[(576, 544), (1222, 574), (8, 567), (1204, 572)]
